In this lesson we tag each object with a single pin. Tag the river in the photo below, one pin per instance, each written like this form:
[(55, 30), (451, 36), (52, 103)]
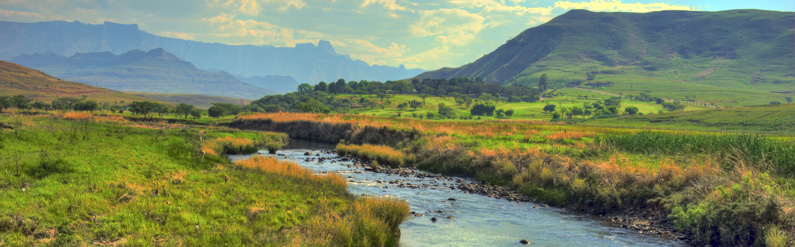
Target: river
[(469, 219)]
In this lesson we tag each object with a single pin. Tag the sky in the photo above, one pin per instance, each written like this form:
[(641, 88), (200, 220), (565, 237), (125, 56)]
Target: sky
[(427, 34)]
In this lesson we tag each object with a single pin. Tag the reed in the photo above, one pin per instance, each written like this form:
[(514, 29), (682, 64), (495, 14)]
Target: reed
[(384, 155)]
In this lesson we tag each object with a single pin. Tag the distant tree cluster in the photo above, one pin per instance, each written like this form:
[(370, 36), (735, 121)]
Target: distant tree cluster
[(321, 98)]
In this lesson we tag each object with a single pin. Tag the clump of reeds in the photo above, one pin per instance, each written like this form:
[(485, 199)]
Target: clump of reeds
[(291, 169), (370, 221), (73, 115), (384, 155)]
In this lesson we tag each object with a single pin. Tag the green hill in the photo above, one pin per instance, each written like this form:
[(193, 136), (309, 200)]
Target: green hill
[(201, 101), (727, 58)]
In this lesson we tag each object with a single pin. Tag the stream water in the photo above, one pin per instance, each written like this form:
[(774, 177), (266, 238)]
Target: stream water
[(469, 219)]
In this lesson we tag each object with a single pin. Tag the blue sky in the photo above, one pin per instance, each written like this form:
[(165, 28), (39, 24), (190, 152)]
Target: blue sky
[(426, 34)]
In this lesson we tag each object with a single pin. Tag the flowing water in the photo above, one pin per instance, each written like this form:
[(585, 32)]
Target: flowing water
[(469, 219)]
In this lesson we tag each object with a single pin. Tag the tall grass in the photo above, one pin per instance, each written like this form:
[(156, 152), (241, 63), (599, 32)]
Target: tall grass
[(370, 221), (384, 155), (770, 154), (291, 169)]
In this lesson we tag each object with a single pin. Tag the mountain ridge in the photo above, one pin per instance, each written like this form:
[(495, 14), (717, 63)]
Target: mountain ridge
[(154, 71), (734, 49), (305, 62)]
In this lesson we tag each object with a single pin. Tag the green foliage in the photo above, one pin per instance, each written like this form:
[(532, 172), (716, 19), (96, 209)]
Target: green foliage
[(482, 109), (89, 105), (735, 215), (754, 150), (676, 106), (143, 107), (549, 108), (631, 110)]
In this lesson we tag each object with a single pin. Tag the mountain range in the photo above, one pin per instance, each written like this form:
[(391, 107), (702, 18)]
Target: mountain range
[(155, 71), (305, 62), (16, 79), (735, 57)]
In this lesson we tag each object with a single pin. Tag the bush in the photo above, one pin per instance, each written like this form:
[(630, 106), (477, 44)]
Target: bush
[(736, 215)]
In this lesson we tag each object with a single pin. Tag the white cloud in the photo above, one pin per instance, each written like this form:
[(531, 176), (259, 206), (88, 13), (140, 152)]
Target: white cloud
[(617, 5), (16, 14), (448, 26), (387, 4)]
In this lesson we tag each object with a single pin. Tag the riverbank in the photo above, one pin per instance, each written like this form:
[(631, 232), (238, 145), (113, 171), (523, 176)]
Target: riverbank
[(467, 219), (76, 179), (580, 168)]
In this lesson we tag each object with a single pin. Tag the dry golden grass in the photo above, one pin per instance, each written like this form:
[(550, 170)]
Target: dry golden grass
[(291, 169), (570, 135), (73, 115), (385, 155)]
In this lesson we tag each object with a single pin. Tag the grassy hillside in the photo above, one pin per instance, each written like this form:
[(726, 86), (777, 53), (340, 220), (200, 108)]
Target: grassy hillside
[(201, 101), (774, 118), (16, 79), (727, 58), (78, 179)]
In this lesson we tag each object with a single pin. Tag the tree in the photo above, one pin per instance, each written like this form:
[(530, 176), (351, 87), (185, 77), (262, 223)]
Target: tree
[(509, 113), (482, 110), (183, 109), (89, 105), (631, 110), (445, 111), (5, 103), (789, 99), (549, 108), (612, 109), (20, 102), (414, 104), (162, 109), (423, 96), (577, 111), (676, 106), (64, 104), (195, 113), (775, 103), (659, 100), (322, 87), (143, 107), (555, 116), (216, 111), (542, 83), (305, 88)]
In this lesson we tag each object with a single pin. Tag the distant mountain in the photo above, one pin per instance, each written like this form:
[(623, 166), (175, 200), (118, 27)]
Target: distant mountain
[(156, 71), (304, 62), (16, 79), (665, 53), (282, 84)]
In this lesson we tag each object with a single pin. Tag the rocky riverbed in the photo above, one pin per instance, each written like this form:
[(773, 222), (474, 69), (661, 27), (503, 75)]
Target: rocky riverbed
[(452, 211)]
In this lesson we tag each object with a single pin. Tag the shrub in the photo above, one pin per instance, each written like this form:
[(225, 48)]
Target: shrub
[(736, 215)]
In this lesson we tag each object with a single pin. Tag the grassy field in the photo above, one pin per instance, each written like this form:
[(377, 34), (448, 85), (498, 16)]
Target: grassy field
[(200, 101), (720, 188), (567, 97), (778, 119), (76, 179)]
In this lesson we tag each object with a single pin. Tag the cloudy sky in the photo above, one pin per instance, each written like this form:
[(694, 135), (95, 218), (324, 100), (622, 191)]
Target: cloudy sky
[(424, 34)]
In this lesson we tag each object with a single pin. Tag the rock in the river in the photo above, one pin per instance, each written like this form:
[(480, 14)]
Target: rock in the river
[(451, 199), (451, 217), (524, 241), (433, 219), (308, 153)]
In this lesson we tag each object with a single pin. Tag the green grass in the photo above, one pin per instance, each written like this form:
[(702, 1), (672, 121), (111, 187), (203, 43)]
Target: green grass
[(567, 97), (93, 182), (778, 119)]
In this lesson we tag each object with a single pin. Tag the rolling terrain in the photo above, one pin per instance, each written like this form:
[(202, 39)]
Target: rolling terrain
[(20, 80), (726, 58), (155, 71)]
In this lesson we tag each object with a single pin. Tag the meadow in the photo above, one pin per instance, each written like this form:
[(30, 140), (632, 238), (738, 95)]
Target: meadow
[(565, 97), (719, 188), (76, 179)]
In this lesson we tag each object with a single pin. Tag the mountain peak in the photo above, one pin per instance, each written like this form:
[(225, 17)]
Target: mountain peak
[(325, 45)]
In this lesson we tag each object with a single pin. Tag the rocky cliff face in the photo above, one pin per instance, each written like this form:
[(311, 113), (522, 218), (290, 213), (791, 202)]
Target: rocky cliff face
[(304, 62)]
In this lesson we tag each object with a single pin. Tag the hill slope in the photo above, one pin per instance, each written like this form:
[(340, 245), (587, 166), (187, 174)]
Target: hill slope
[(304, 62), (743, 51), (156, 71), (16, 79)]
